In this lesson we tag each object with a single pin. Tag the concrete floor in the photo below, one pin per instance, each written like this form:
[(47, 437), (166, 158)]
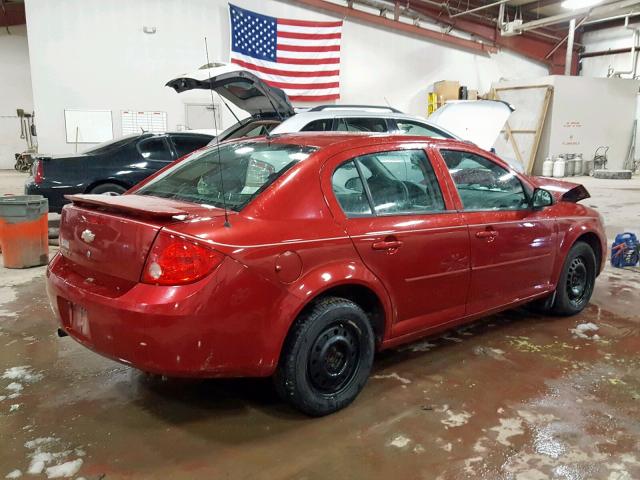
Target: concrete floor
[(515, 396)]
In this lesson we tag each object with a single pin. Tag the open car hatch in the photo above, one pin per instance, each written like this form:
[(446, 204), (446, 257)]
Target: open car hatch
[(239, 86), (477, 121)]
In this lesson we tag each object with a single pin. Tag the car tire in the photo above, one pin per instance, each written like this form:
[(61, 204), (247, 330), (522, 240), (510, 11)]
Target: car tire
[(108, 189), (576, 282), (326, 358)]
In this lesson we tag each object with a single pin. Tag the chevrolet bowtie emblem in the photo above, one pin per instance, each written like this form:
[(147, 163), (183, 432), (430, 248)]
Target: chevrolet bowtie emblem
[(87, 236)]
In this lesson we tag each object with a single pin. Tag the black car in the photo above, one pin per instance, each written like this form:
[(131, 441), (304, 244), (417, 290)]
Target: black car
[(110, 168)]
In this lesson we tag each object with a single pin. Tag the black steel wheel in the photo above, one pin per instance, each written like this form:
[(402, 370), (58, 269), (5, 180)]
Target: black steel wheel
[(327, 357), (577, 280), (334, 356)]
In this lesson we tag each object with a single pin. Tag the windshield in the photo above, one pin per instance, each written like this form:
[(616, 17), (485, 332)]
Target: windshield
[(244, 169), (112, 144)]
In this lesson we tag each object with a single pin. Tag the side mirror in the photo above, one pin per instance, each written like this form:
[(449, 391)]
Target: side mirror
[(541, 198)]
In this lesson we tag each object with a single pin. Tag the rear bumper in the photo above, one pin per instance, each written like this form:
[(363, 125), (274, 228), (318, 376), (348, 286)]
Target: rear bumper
[(186, 331), (54, 194)]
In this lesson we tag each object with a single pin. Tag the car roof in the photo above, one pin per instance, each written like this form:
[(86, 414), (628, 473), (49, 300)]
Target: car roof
[(340, 141), (343, 112), (299, 120)]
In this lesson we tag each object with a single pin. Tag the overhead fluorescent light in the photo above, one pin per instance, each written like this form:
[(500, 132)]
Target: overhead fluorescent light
[(577, 4)]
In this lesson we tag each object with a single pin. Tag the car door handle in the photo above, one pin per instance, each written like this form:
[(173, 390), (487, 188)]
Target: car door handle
[(386, 245), (487, 234)]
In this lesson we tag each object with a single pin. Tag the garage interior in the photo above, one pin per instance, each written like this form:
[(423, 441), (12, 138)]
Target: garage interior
[(513, 395)]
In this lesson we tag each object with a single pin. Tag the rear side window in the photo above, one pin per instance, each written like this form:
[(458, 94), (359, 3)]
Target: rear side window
[(186, 144), (321, 125), (396, 182), (407, 127), (154, 149), (349, 190), (367, 124), (483, 184)]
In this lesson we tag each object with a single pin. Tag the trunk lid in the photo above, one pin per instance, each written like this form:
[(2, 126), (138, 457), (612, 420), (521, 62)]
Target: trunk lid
[(112, 236), (477, 121), (239, 86)]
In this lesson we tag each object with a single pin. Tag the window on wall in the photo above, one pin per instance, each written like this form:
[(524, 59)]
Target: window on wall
[(483, 184)]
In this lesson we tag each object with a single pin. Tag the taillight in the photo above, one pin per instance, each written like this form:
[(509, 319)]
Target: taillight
[(174, 260), (38, 172)]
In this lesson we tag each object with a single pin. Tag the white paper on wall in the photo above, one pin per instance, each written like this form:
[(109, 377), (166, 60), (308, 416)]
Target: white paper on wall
[(88, 126), (139, 122)]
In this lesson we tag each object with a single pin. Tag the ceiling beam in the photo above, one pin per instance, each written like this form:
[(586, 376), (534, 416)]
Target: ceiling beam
[(381, 21), (528, 44), (611, 23), (588, 11), (537, 4), (12, 13)]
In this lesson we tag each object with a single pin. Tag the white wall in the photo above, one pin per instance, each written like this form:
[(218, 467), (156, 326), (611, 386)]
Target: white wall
[(15, 91), (584, 113), (92, 54), (599, 40)]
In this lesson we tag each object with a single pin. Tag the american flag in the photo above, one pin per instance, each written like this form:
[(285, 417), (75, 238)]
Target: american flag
[(300, 57)]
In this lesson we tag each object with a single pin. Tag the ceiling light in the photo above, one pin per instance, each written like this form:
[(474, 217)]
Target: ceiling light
[(577, 4)]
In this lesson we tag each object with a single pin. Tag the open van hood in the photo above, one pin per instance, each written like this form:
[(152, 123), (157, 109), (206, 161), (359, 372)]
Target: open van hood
[(239, 86), (478, 121)]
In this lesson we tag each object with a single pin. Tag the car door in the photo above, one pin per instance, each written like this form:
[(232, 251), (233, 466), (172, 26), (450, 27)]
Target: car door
[(406, 232), (512, 245)]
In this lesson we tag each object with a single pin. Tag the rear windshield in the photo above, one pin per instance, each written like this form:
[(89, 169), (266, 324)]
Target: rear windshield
[(112, 144), (243, 169)]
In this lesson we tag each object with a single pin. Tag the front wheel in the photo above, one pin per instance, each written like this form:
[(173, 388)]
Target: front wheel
[(576, 283), (327, 357)]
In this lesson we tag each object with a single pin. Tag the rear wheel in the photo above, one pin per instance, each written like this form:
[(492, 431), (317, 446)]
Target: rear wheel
[(575, 285), (327, 357), (108, 189)]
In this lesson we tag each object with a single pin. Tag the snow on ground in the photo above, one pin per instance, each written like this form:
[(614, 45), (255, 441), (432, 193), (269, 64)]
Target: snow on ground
[(582, 329), (23, 373)]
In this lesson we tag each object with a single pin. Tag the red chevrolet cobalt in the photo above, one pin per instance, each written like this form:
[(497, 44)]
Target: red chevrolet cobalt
[(299, 256)]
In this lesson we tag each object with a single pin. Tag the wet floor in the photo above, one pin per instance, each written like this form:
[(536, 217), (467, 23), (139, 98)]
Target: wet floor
[(515, 396)]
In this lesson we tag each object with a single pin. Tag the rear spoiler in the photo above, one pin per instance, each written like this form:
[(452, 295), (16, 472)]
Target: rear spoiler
[(139, 205)]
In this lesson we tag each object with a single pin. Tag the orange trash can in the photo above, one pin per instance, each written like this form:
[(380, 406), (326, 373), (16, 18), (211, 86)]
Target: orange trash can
[(24, 230)]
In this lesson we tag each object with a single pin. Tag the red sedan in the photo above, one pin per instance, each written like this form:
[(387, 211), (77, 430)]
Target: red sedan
[(299, 256)]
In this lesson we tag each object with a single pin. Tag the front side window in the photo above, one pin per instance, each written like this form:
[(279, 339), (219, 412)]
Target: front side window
[(154, 149), (396, 182), (483, 184), (366, 124), (408, 127), (232, 174)]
